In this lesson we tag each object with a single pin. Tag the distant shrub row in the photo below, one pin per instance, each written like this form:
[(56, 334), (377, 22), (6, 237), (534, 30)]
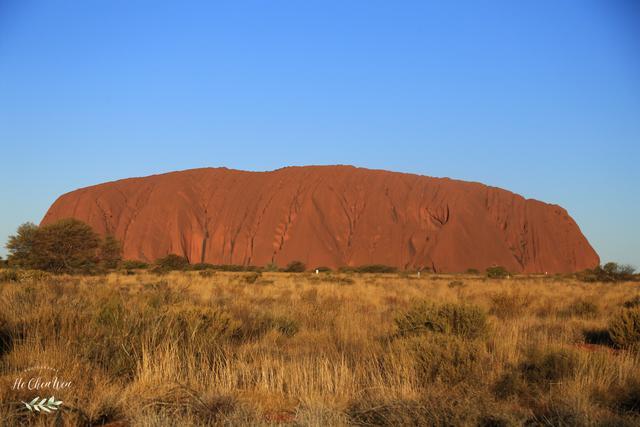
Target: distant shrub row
[(71, 246), (372, 268), (610, 272)]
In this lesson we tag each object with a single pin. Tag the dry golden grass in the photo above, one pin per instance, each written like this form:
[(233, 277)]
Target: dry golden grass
[(195, 348)]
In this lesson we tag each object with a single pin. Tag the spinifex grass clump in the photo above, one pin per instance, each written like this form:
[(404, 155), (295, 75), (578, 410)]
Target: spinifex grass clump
[(624, 328), (580, 308), (464, 320)]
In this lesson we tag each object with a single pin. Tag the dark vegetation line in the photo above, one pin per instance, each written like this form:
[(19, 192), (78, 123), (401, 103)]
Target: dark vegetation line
[(71, 246)]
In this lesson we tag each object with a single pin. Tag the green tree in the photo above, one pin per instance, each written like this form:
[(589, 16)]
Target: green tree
[(21, 246), (110, 252), (65, 246)]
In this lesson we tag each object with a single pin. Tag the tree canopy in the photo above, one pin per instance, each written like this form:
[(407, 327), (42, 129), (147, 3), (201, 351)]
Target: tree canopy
[(68, 245)]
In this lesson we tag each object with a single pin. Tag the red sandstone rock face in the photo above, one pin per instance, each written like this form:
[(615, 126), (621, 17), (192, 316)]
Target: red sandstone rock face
[(329, 216)]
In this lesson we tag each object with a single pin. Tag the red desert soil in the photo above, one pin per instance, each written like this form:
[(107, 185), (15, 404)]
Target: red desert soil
[(330, 216)]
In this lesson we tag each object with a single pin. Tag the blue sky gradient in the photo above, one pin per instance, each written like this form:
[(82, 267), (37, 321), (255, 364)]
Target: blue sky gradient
[(541, 98)]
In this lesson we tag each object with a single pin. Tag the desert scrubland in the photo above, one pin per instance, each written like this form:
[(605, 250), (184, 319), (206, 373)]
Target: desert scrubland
[(221, 348)]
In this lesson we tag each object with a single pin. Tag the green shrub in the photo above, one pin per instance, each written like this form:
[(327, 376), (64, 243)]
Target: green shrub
[(132, 264), (203, 266), (172, 262), (295, 267), (110, 252), (497, 272), (610, 272), (372, 268), (376, 268), (472, 271), (468, 321), (446, 358), (624, 328)]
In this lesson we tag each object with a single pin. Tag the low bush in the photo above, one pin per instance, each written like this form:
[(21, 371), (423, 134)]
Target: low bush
[(497, 272), (295, 267), (468, 321), (203, 266), (376, 268), (172, 262), (624, 328), (132, 264), (507, 305), (610, 272), (446, 358), (544, 367), (372, 268)]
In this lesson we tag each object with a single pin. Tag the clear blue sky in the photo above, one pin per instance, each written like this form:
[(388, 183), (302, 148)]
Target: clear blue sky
[(541, 97)]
